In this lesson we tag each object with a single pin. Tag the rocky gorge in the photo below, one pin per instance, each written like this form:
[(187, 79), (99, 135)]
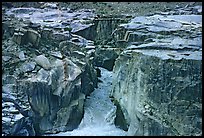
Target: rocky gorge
[(51, 59)]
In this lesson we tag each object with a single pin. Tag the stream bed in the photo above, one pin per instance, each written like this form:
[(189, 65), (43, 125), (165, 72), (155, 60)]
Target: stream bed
[(99, 112)]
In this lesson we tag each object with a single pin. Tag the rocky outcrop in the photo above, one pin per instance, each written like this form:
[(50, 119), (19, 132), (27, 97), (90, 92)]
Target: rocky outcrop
[(156, 91), (102, 32), (157, 78), (56, 95), (105, 56), (48, 61), (103, 27), (23, 36), (47, 69)]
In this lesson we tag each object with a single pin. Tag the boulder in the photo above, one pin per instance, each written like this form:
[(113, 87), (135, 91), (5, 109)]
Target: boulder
[(26, 67), (57, 96), (21, 55), (6, 58), (43, 61), (18, 38), (43, 75)]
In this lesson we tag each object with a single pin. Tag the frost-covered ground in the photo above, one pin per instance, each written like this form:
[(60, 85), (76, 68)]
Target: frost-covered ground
[(99, 112)]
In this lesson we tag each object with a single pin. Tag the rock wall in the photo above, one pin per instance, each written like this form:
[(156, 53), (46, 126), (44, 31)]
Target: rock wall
[(47, 69), (104, 33), (57, 96), (158, 84), (166, 93), (102, 28), (105, 56)]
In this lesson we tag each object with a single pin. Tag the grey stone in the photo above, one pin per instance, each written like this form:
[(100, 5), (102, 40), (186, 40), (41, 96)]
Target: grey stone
[(6, 119), (43, 61), (25, 36), (7, 92), (60, 36), (57, 54), (18, 38), (6, 58), (43, 75), (21, 56), (26, 67), (139, 85), (33, 37), (9, 79), (59, 92)]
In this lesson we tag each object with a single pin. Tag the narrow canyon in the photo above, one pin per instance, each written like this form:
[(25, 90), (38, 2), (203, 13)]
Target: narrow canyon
[(75, 72)]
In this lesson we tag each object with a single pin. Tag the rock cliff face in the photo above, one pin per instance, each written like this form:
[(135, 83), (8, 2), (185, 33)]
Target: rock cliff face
[(49, 61), (102, 32), (45, 66), (158, 84), (57, 96)]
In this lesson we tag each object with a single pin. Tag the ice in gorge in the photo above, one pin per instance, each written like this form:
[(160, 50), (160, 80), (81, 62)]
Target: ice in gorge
[(99, 112)]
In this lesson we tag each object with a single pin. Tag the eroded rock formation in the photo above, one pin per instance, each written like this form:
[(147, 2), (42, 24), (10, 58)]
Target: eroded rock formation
[(158, 77), (47, 68), (49, 61)]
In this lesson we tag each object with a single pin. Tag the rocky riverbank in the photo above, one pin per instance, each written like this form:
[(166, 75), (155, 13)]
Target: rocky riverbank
[(47, 68), (99, 112), (157, 78)]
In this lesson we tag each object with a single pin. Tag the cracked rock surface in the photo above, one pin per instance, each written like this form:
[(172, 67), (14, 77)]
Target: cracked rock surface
[(47, 70), (157, 78), (51, 54)]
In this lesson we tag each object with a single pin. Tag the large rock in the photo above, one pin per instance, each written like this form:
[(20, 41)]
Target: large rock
[(157, 84), (52, 87), (33, 37), (26, 67), (158, 91), (57, 96), (106, 56), (43, 61), (24, 36), (18, 38)]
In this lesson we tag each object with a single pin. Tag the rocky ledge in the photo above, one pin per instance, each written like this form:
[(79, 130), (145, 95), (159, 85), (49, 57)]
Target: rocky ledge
[(157, 78), (47, 69)]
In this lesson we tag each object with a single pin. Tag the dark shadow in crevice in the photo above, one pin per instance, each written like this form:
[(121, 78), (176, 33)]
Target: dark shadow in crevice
[(120, 120)]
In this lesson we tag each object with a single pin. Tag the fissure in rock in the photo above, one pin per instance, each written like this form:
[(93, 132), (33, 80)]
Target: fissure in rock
[(73, 72)]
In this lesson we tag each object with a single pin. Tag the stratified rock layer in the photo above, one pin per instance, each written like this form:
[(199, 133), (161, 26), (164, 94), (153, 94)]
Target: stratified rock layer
[(157, 79), (47, 68)]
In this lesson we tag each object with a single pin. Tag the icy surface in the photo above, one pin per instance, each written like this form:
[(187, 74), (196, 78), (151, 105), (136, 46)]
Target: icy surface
[(99, 112)]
